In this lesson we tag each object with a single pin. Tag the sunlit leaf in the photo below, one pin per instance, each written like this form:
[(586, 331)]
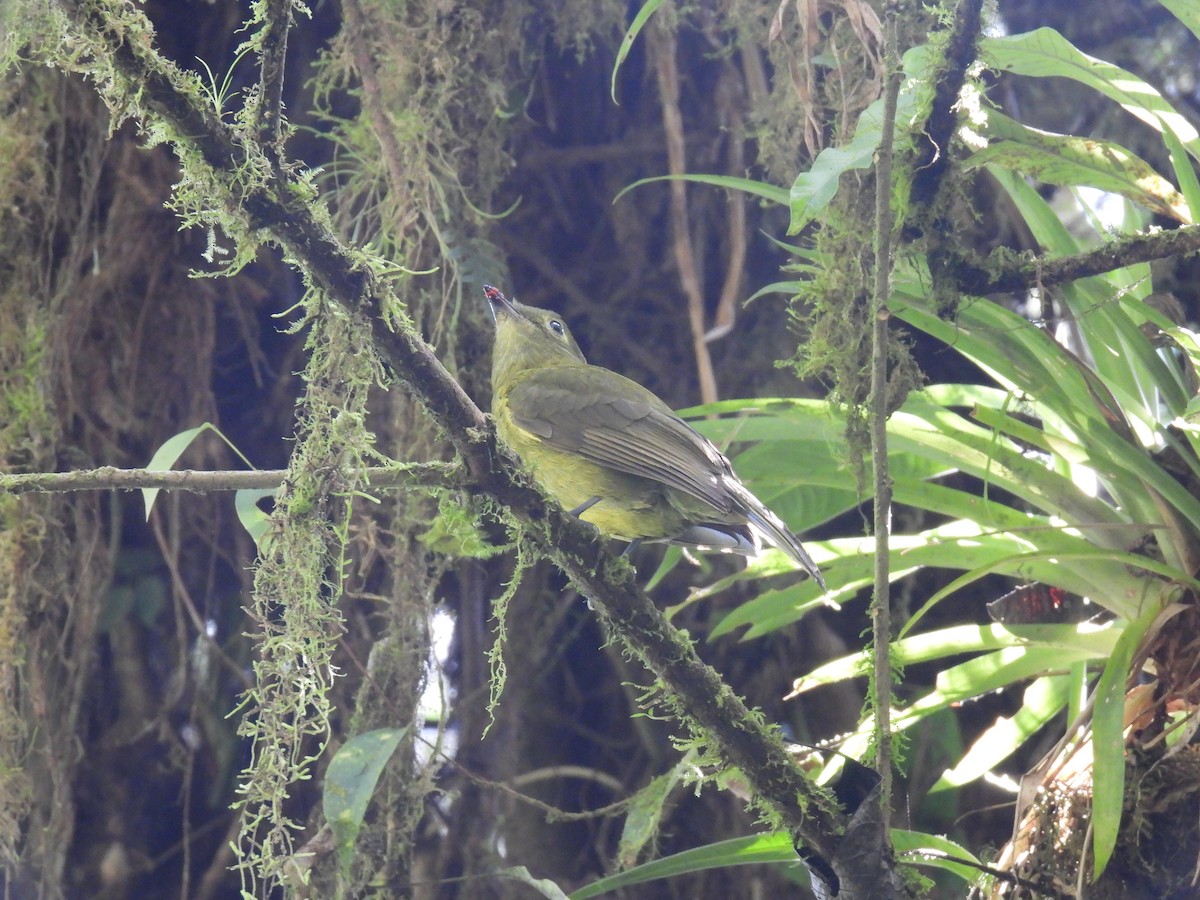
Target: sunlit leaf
[(1042, 701), (764, 848), (1045, 53), (936, 852), (1186, 11), (960, 639), (1108, 742), (1069, 160)]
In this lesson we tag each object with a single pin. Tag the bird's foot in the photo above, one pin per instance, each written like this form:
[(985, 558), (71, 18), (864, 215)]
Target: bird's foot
[(585, 506)]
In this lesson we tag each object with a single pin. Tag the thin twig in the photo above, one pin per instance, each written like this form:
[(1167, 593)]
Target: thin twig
[(662, 42), (430, 475), (170, 556), (881, 683)]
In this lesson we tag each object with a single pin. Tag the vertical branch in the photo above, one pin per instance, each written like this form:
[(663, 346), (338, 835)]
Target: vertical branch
[(272, 63), (662, 43), (376, 105), (881, 681), (732, 102)]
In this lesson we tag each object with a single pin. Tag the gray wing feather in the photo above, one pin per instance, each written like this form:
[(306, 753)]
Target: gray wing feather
[(615, 422), (574, 409)]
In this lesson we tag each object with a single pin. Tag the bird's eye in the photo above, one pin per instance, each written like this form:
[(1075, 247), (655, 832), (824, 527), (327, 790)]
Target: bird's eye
[(556, 326)]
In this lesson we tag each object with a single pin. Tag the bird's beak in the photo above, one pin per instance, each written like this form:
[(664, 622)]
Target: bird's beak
[(498, 303)]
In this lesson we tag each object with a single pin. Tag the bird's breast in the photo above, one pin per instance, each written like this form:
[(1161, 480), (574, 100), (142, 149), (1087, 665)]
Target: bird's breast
[(630, 506)]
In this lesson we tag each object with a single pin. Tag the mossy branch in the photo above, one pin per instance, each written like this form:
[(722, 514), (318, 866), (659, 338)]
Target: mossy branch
[(272, 41), (1002, 274), (277, 208), (939, 126)]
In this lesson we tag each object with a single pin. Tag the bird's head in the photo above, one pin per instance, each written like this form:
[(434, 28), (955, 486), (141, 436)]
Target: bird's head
[(528, 338)]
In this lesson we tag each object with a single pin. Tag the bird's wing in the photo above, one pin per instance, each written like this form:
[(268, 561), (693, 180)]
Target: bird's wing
[(615, 422)]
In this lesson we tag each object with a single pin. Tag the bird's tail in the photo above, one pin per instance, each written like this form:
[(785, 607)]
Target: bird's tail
[(771, 528)]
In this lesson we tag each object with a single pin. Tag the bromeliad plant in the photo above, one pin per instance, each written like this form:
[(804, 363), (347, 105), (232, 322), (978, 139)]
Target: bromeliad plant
[(1084, 449)]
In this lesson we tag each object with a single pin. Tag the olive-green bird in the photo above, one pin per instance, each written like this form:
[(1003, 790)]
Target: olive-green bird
[(613, 453)]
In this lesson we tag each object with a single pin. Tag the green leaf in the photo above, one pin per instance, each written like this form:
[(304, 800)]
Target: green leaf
[(1185, 172), (735, 183), (543, 886), (762, 848), (777, 848), (1108, 741), (1075, 402), (812, 190), (1048, 229), (645, 812), (635, 28), (960, 544), (773, 609), (937, 852), (960, 639), (349, 783), (1043, 700), (253, 519), (166, 456), (1186, 11), (1127, 365), (1107, 577), (925, 428), (1046, 53), (1070, 160), (797, 464), (996, 670), (671, 558), (969, 680)]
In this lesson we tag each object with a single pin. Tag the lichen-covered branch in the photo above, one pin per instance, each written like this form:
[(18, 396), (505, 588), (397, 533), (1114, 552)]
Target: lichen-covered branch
[(1004, 272)]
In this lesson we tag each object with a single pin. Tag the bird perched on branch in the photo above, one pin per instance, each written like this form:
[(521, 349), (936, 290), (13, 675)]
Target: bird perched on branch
[(612, 452)]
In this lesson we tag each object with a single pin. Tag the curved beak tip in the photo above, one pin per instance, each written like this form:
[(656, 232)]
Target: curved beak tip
[(496, 301)]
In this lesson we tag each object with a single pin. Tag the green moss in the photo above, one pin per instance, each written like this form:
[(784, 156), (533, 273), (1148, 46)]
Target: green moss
[(297, 587), (28, 426)]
